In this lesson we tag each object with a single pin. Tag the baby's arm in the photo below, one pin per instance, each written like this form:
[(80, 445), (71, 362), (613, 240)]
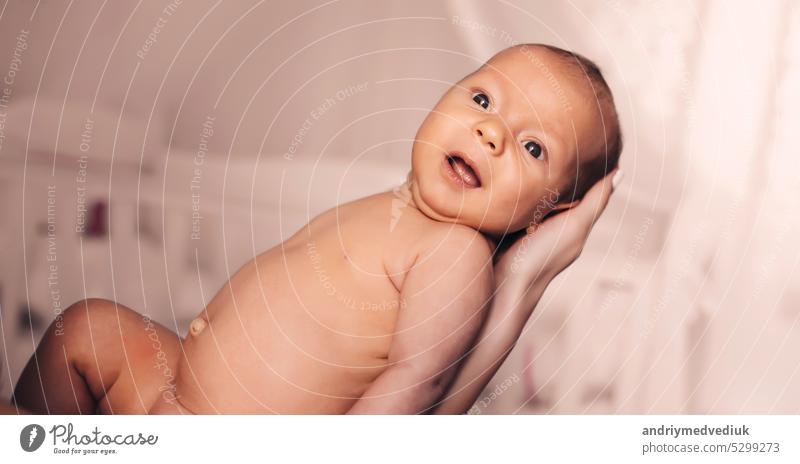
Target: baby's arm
[(497, 338), (444, 296)]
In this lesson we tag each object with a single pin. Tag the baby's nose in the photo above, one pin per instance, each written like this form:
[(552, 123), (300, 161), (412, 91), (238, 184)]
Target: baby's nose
[(490, 136)]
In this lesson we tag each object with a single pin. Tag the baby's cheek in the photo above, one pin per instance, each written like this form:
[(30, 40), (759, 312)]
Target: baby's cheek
[(531, 210), (511, 200), (504, 213), (431, 127)]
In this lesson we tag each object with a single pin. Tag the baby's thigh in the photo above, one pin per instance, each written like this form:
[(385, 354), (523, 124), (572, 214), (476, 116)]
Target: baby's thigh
[(129, 360)]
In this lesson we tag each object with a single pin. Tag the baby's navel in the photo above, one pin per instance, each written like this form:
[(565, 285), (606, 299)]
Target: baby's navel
[(197, 326)]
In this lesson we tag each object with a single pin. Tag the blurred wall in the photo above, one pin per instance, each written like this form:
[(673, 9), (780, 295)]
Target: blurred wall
[(685, 299)]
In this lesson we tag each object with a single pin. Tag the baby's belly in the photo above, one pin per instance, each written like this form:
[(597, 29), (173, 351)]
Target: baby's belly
[(289, 336)]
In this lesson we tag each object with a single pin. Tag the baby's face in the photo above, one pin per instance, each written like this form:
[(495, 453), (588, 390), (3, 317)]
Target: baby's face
[(503, 143)]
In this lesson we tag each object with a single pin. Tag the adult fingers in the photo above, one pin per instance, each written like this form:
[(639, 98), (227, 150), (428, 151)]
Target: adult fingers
[(594, 202)]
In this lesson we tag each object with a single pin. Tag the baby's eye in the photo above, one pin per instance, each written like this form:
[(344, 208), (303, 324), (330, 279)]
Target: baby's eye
[(481, 99), (534, 149)]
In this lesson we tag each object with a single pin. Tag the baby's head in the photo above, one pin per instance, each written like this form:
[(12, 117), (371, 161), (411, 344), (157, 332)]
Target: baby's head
[(526, 134)]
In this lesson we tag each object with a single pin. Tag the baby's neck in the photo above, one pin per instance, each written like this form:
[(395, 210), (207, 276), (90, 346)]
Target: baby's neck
[(405, 195)]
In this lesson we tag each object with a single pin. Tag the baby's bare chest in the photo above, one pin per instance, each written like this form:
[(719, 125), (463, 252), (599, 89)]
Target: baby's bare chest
[(332, 284)]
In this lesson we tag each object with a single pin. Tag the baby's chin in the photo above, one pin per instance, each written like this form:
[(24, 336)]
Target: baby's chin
[(443, 207)]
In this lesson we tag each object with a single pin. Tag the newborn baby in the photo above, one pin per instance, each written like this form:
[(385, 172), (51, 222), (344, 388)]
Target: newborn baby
[(372, 306)]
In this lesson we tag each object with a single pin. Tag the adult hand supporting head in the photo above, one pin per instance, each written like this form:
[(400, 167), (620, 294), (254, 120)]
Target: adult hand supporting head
[(523, 269)]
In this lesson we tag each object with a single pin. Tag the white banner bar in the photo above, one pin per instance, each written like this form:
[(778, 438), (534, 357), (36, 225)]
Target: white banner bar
[(398, 439)]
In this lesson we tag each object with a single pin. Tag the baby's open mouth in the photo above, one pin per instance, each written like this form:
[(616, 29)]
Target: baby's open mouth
[(463, 171)]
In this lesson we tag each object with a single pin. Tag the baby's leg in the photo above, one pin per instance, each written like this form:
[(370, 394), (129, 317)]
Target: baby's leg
[(105, 358)]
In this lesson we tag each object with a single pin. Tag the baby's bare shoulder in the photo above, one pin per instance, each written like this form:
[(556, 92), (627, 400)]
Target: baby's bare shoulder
[(453, 256), (457, 238), (417, 238)]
